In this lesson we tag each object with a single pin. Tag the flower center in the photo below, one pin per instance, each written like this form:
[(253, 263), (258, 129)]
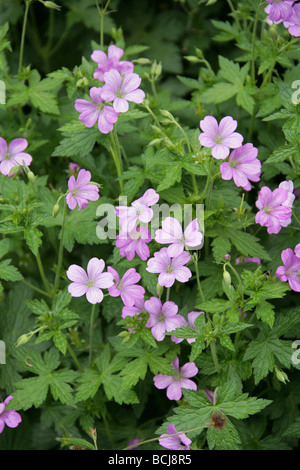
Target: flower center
[(90, 283), (268, 209), (233, 163), (161, 317), (7, 156), (120, 93), (170, 268), (218, 139), (100, 106)]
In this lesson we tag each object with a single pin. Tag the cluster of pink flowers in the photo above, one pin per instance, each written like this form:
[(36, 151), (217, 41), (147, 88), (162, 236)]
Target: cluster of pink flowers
[(13, 155), (243, 165), (290, 271), (286, 12), (275, 207), (121, 85)]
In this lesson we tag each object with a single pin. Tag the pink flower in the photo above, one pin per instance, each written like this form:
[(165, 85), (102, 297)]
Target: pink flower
[(110, 61), (280, 10), (9, 417), (294, 21), (174, 383), (171, 232), (126, 287), (81, 191), (89, 283), (219, 137), (169, 269), (290, 269), (120, 90), (179, 442), (162, 317), (91, 112), (243, 166), (133, 310), (272, 211), (13, 155), (191, 323), (134, 242), (297, 250), (139, 211)]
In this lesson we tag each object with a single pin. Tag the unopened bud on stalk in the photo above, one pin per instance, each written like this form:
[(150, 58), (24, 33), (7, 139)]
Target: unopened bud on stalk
[(23, 339), (51, 5), (56, 209), (31, 176), (227, 277), (159, 290), (281, 376), (141, 61)]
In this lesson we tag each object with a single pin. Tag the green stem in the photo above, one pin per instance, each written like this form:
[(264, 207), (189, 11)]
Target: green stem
[(74, 357), (198, 281), (27, 4), (234, 14), (168, 294), (102, 14), (91, 333), (214, 355), (294, 215), (36, 288), (238, 279), (253, 45), (117, 158), (61, 249), (42, 273)]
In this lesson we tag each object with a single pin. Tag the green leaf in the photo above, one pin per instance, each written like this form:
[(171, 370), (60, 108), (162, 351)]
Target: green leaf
[(226, 438), (9, 272), (33, 238)]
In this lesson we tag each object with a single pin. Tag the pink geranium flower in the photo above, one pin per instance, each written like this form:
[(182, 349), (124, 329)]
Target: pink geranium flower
[(13, 155), (97, 110), (74, 168), (139, 211), (90, 283), (126, 287), (162, 317), (243, 166), (219, 137), (272, 211), (169, 269), (174, 383), (297, 250), (9, 418), (290, 269), (134, 242), (171, 232), (179, 442), (110, 61), (81, 191), (120, 90)]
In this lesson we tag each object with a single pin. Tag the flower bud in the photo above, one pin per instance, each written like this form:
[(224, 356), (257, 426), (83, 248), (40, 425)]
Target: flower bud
[(141, 61), (23, 339), (159, 290), (51, 5), (281, 376), (55, 210), (227, 277), (31, 176)]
